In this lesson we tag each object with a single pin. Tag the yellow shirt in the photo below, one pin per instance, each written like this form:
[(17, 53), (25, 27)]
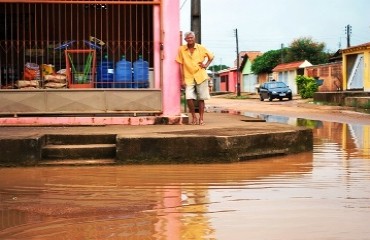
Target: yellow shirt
[(190, 63)]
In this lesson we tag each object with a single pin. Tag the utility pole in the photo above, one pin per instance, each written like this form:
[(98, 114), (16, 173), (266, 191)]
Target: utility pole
[(348, 31), (282, 53), (195, 19), (237, 64)]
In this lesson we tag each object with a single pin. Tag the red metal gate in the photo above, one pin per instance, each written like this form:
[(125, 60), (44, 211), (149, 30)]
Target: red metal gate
[(40, 31)]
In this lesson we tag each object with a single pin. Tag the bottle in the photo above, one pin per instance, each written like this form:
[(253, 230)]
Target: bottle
[(123, 73), (141, 73), (105, 73)]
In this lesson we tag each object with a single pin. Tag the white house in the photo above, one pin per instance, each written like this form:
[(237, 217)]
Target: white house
[(287, 72)]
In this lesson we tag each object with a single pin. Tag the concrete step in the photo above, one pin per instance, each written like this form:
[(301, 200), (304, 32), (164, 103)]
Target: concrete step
[(78, 162), (79, 151), (357, 102), (76, 139)]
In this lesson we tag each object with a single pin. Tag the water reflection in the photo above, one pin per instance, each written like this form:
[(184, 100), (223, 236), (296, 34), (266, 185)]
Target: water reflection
[(164, 202), (354, 139), (322, 194)]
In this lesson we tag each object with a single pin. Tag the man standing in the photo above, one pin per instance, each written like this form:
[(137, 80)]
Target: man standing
[(194, 59)]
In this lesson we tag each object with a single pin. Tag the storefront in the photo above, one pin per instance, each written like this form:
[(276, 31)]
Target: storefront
[(89, 57)]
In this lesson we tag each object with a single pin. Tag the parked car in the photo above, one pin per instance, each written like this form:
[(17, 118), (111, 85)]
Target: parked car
[(274, 89)]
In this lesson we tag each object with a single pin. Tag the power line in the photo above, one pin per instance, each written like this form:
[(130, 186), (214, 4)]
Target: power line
[(183, 3)]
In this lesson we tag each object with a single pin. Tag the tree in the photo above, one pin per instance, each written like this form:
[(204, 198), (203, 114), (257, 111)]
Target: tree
[(300, 49), (216, 68), (266, 62), (306, 49), (307, 86)]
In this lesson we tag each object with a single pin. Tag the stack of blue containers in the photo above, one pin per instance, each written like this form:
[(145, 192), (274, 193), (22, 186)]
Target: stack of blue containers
[(123, 74), (105, 73), (141, 73)]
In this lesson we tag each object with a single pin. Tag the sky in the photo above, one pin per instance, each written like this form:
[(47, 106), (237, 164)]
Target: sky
[(265, 25)]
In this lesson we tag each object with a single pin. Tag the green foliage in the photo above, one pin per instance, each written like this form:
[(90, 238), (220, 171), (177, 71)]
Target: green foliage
[(306, 49), (308, 123), (300, 49), (216, 68), (307, 86), (266, 62)]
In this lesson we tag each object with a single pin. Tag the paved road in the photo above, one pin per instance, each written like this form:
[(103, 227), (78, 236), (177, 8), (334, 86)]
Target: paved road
[(296, 108)]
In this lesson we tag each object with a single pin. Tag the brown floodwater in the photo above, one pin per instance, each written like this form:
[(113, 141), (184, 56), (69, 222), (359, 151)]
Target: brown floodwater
[(323, 194)]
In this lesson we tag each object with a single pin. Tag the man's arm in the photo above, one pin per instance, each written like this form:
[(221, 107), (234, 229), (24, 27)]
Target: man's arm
[(182, 77), (206, 65)]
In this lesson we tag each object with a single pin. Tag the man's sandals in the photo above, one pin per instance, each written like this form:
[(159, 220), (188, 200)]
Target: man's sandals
[(195, 121)]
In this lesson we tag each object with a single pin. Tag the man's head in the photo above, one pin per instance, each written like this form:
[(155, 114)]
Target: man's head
[(189, 37)]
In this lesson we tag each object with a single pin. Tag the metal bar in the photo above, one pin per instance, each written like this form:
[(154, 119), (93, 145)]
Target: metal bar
[(84, 2), (26, 23)]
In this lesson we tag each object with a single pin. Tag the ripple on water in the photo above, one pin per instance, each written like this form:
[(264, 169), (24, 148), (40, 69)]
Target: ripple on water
[(323, 194)]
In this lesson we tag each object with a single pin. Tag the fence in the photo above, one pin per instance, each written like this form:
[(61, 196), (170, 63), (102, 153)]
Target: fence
[(39, 32)]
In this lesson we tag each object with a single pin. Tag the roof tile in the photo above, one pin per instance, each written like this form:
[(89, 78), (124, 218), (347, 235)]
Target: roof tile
[(288, 66)]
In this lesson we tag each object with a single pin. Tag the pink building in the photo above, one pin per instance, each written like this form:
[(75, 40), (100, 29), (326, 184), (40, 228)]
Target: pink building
[(228, 80)]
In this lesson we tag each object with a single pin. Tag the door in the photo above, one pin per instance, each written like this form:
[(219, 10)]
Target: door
[(356, 76)]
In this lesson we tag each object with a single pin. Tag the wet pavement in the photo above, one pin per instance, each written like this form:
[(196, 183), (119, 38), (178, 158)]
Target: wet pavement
[(213, 122), (226, 134)]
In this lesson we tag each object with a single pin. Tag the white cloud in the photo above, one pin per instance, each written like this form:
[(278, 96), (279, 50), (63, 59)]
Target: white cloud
[(266, 24)]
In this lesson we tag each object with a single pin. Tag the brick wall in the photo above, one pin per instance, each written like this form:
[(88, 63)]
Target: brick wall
[(331, 73)]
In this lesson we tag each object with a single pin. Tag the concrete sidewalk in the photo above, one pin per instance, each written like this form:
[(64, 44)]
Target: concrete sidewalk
[(225, 137)]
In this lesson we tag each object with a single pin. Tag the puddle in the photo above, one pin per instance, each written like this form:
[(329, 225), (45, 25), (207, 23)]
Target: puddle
[(323, 194)]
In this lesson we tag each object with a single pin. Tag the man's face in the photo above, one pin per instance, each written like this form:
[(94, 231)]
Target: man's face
[(190, 39)]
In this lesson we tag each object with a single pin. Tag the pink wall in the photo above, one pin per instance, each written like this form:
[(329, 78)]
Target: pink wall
[(230, 84), (232, 81), (171, 42)]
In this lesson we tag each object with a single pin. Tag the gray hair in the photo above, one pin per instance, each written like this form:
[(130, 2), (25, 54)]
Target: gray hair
[(189, 33)]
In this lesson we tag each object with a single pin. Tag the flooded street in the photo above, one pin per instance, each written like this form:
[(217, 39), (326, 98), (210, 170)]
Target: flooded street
[(323, 194)]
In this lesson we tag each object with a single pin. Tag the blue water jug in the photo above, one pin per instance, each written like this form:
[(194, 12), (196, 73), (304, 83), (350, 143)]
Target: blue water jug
[(141, 73), (123, 73), (105, 73)]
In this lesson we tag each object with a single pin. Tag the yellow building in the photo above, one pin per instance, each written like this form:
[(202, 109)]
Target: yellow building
[(356, 67)]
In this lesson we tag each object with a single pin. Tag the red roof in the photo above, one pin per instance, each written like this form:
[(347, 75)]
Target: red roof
[(252, 55), (287, 66), (357, 47)]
